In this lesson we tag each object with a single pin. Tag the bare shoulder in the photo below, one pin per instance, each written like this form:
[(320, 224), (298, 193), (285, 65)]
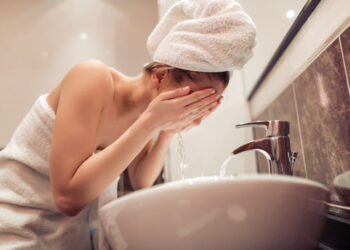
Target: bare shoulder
[(91, 71), (89, 78)]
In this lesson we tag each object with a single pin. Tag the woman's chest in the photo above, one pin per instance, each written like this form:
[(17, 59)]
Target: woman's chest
[(111, 127)]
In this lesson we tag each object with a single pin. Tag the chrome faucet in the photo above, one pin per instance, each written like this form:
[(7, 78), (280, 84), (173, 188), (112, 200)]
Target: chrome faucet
[(275, 147)]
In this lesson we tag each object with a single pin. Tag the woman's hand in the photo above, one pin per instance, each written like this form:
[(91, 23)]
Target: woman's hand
[(177, 109), (196, 122)]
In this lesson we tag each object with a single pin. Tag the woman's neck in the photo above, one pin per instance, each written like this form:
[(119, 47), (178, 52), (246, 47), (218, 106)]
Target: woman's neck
[(132, 95)]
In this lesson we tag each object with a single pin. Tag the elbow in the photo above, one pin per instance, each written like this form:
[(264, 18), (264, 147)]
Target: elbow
[(67, 207), (139, 181)]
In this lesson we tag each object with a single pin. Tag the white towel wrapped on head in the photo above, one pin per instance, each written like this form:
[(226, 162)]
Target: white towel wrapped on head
[(205, 36)]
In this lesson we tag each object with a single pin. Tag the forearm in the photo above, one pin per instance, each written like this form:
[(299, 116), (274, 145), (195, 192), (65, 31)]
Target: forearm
[(150, 166), (99, 170)]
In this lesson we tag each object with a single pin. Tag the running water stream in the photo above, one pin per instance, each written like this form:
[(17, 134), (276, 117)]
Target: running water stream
[(224, 165), (182, 153)]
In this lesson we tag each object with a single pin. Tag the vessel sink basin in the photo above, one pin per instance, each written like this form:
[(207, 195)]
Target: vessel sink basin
[(244, 212)]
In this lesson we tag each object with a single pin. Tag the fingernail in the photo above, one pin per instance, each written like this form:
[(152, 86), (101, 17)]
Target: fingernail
[(213, 91), (186, 88)]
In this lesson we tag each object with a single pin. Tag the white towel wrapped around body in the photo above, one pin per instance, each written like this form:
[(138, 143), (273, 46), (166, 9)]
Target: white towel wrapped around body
[(29, 218), (205, 36)]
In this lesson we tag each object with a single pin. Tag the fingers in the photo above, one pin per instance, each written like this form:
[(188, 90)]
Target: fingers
[(196, 96), (195, 107), (176, 93), (209, 112), (183, 108), (206, 107), (195, 120), (204, 112), (212, 109)]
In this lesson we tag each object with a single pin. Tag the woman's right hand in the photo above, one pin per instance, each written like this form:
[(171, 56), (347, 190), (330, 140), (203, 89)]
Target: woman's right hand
[(176, 109)]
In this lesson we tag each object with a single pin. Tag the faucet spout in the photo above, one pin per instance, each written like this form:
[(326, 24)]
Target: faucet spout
[(262, 145), (277, 152)]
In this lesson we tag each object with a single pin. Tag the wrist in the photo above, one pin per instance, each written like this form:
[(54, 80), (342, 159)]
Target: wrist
[(148, 124)]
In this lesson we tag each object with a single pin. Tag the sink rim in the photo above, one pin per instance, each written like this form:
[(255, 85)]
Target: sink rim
[(251, 177), (202, 180)]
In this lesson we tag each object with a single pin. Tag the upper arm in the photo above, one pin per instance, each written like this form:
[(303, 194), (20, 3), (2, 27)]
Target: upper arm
[(83, 91)]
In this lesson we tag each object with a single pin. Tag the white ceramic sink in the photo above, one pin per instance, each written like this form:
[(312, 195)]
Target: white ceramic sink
[(244, 212)]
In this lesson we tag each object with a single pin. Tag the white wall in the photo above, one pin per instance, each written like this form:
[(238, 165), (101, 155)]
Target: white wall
[(41, 40), (326, 22)]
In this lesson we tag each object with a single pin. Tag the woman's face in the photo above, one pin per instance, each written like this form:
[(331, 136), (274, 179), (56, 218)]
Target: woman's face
[(199, 84)]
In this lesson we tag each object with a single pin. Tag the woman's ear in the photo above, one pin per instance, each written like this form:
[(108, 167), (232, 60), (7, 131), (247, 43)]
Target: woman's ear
[(158, 78)]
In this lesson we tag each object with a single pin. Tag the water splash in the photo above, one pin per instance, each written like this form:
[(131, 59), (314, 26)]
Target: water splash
[(181, 150), (224, 165)]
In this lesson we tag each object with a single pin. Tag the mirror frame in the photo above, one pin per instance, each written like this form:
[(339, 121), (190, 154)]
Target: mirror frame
[(293, 30)]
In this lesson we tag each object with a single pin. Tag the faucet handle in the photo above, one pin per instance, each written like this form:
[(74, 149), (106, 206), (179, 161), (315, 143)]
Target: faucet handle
[(273, 127)]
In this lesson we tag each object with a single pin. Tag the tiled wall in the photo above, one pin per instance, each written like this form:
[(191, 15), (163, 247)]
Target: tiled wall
[(317, 104)]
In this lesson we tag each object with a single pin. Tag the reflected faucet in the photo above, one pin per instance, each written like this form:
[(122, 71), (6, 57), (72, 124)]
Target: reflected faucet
[(275, 147)]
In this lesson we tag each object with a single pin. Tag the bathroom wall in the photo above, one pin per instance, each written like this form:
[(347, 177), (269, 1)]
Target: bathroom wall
[(316, 102), (41, 40)]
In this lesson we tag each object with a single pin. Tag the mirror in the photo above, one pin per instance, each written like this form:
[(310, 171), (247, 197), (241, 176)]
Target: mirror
[(276, 27)]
